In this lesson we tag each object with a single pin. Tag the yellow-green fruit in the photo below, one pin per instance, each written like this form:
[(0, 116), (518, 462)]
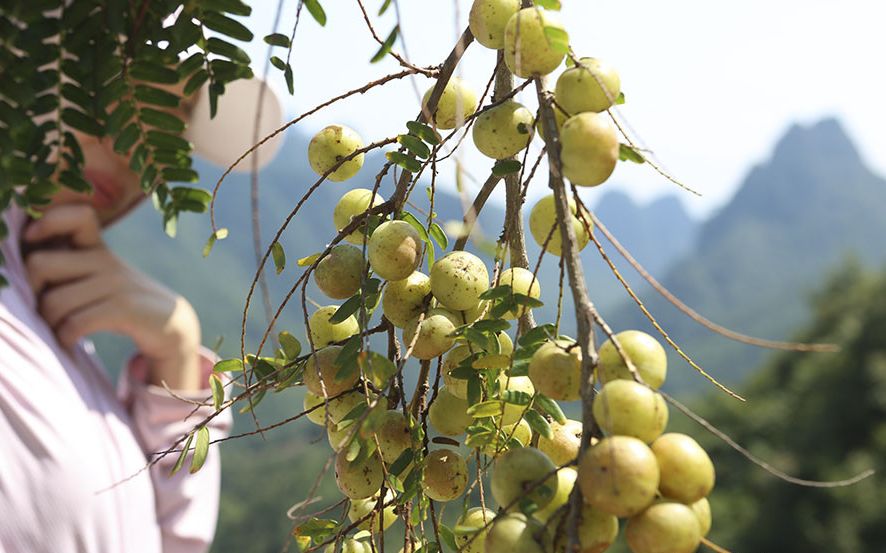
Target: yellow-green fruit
[(336, 404), (590, 149), (543, 219), (644, 351), (619, 476), (457, 103), (360, 478), (403, 299), (338, 410), (394, 250), (566, 477), (521, 281), (456, 386), (472, 315), (433, 333), (353, 203), (518, 470), (362, 507), (563, 446), (318, 415), (457, 280), (512, 413), (488, 19), (521, 432), (596, 531), (445, 475), (578, 88), (665, 527), (502, 131), (687, 473), (479, 519), (393, 435), (448, 414), (627, 408), (515, 533), (555, 370), (350, 545), (330, 146), (528, 50), (702, 510), (321, 372), (339, 274), (324, 332)]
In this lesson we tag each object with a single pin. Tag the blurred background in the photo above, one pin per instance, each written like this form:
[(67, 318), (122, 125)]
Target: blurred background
[(773, 111)]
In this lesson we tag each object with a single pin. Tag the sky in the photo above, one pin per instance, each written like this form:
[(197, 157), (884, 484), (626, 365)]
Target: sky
[(710, 86)]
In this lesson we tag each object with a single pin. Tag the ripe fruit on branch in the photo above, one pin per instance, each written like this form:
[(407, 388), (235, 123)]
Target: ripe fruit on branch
[(403, 299), (619, 476), (338, 406), (457, 103), (596, 531), (488, 18), (543, 222), (665, 527), (590, 148), (445, 475), (643, 350), (555, 370), (563, 446), (521, 432), (687, 473), (360, 478), (350, 545), (475, 517), (339, 274), (394, 250), (628, 408), (521, 281), (393, 435), (528, 50), (515, 533), (330, 146), (324, 332), (566, 478), (318, 415), (523, 473), (448, 414), (353, 203), (457, 280), (433, 333), (702, 510), (362, 507), (502, 131), (321, 367), (578, 88), (456, 386)]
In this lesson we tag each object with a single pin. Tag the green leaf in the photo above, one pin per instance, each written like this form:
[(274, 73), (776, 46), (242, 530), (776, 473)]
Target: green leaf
[(402, 461), (279, 256), (448, 537), (404, 161), (290, 344), (378, 368), (277, 39), (228, 365), (414, 145), (82, 122), (504, 167), (278, 63), (143, 70), (384, 7), (162, 120), (179, 174), (308, 260), (436, 232), (416, 224), (527, 301), (483, 409), (180, 462), (538, 335), (167, 141), (201, 449), (386, 46), (548, 4), (626, 153), (126, 139), (235, 7), (220, 234), (423, 131), (287, 75), (196, 81), (227, 26), (516, 397), (347, 309), (538, 423), (226, 49), (500, 291), (550, 407), (316, 10), (620, 99), (558, 39), (218, 391)]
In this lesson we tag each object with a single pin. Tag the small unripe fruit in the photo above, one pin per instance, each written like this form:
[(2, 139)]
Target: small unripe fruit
[(433, 333), (563, 446), (566, 478), (457, 103), (687, 473), (528, 51), (644, 351), (324, 332), (578, 88), (476, 517), (521, 432), (543, 223), (457, 280), (394, 250), (627, 408), (512, 413), (521, 281), (488, 18), (360, 478), (330, 146), (362, 507), (523, 473), (445, 475), (502, 131), (353, 203), (702, 510), (448, 414), (596, 531), (619, 476), (349, 545), (393, 435), (665, 527), (555, 370), (515, 533), (590, 149), (339, 274), (321, 372), (403, 299)]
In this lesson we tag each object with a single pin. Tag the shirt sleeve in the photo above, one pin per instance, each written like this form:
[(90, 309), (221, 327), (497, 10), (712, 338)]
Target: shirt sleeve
[(186, 504)]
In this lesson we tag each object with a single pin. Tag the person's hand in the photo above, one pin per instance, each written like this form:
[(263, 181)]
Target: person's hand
[(85, 288)]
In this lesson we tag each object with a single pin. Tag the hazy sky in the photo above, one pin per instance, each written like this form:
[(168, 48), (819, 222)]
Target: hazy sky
[(710, 86)]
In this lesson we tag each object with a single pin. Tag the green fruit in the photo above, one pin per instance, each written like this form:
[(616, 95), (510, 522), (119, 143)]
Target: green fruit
[(394, 250), (353, 203), (339, 436), (360, 478), (394, 436), (350, 545), (596, 531), (543, 223), (433, 333), (479, 519), (687, 473), (472, 315), (457, 280), (664, 528), (488, 18), (456, 386), (590, 149), (627, 408), (457, 103), (321, 372), (339, 274), (362, 507), (563, 446), (502, 131), (318, 415), (521, 281), (523, 473), (702, 510), (445, 475), (566, 477), (403, 299), (330, 146), (448, 414), (644, 351), (515, 533), (337, 407), (555, 370), (528, 51), (578, 88), (324, 332), (619, 476), (521, 432), (512, 413)]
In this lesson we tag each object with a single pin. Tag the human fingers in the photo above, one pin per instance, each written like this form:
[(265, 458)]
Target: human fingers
[(59, 302), (55, 266), (79, 221), (101, 316)]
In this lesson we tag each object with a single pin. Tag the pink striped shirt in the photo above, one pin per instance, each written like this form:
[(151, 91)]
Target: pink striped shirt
[(66, 434)]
